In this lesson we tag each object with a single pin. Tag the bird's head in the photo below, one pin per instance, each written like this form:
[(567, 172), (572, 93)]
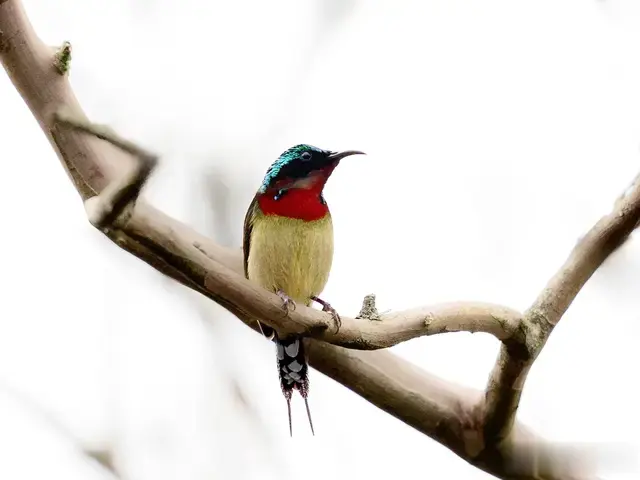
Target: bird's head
[(302, 167)]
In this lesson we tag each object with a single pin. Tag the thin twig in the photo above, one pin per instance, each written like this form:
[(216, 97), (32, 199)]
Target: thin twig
[(104, 209)]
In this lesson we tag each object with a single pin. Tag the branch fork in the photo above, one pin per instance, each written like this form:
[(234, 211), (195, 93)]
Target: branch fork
[(119, 196)]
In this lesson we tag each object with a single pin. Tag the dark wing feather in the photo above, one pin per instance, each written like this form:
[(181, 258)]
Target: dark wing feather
[(248, 227), (246, 247)]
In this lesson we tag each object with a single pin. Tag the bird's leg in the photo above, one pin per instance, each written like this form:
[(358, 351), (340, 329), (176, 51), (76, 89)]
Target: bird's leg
[(287, 302), (326, 307)]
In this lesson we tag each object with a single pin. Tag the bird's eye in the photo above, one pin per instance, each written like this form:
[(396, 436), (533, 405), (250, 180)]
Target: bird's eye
[(279, 195), (306, 156)]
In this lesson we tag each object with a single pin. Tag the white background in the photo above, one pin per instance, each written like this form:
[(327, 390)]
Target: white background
[(497, 133)]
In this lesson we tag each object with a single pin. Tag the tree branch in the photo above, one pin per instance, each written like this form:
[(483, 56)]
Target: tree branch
[(439, 409), (518, 354), (105, 209), (360, 333)]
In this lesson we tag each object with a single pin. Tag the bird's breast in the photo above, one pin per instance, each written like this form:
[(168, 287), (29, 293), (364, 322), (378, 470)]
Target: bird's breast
[(292, 255)]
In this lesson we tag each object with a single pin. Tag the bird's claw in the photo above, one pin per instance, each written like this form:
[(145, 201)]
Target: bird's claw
[(326, 307), (334, 315), (287, 302)]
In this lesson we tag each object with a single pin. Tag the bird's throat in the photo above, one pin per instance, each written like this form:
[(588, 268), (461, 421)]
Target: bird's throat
[(301, 203)]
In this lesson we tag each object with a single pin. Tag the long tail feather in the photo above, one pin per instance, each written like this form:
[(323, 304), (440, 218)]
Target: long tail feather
[(306, 404), (293, 371), (289, 412)]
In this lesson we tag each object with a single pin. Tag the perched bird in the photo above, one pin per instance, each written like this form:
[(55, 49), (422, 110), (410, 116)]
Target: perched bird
[(288, 248)]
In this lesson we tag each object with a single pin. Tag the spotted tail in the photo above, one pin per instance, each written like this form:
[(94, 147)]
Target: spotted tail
[(293, 371)]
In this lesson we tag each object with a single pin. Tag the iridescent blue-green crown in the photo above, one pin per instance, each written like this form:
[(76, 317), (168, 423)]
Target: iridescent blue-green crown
[(291, 155)]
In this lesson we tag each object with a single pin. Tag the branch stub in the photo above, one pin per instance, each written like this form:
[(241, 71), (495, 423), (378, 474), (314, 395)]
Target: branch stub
[(369, 310)]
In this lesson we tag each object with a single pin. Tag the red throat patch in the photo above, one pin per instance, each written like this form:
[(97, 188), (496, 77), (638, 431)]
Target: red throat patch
[(301, 199), (302, 203)]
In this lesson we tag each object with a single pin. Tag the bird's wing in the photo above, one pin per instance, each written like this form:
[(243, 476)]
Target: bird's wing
[(246, 246), (248, 227)]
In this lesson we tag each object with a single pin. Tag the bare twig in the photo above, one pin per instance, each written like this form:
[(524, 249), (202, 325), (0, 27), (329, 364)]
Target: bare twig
[(433, 406), (107, 207)]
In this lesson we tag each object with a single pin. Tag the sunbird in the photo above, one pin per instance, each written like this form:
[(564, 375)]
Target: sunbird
[(288, 249)]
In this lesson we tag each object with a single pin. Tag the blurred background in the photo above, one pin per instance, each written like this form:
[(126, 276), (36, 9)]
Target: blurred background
[(497, 133)]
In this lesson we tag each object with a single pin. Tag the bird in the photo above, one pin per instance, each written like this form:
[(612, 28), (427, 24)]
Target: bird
[(288, 249)]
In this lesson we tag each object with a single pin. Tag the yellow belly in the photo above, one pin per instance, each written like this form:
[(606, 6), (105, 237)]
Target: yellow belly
[(291, 255)]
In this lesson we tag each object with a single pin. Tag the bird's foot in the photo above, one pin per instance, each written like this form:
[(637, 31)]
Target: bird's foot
[(326, 307), (287, 302)]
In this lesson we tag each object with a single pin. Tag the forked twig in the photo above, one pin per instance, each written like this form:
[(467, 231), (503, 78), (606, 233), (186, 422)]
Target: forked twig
[(120, 195)]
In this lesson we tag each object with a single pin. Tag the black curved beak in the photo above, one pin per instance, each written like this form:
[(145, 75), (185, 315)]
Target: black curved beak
[(335, 156)]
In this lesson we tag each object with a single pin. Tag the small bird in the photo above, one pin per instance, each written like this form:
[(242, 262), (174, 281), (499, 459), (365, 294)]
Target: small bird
[(288, 248)]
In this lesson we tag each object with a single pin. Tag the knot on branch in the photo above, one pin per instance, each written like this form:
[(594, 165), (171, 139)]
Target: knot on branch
[(534, 329), (369, 310)]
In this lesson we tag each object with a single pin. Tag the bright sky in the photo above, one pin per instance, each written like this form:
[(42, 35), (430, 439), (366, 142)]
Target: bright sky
[(497, 133)]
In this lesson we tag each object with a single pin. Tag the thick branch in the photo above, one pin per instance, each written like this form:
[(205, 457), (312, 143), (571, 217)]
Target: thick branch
[(435, 407)]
